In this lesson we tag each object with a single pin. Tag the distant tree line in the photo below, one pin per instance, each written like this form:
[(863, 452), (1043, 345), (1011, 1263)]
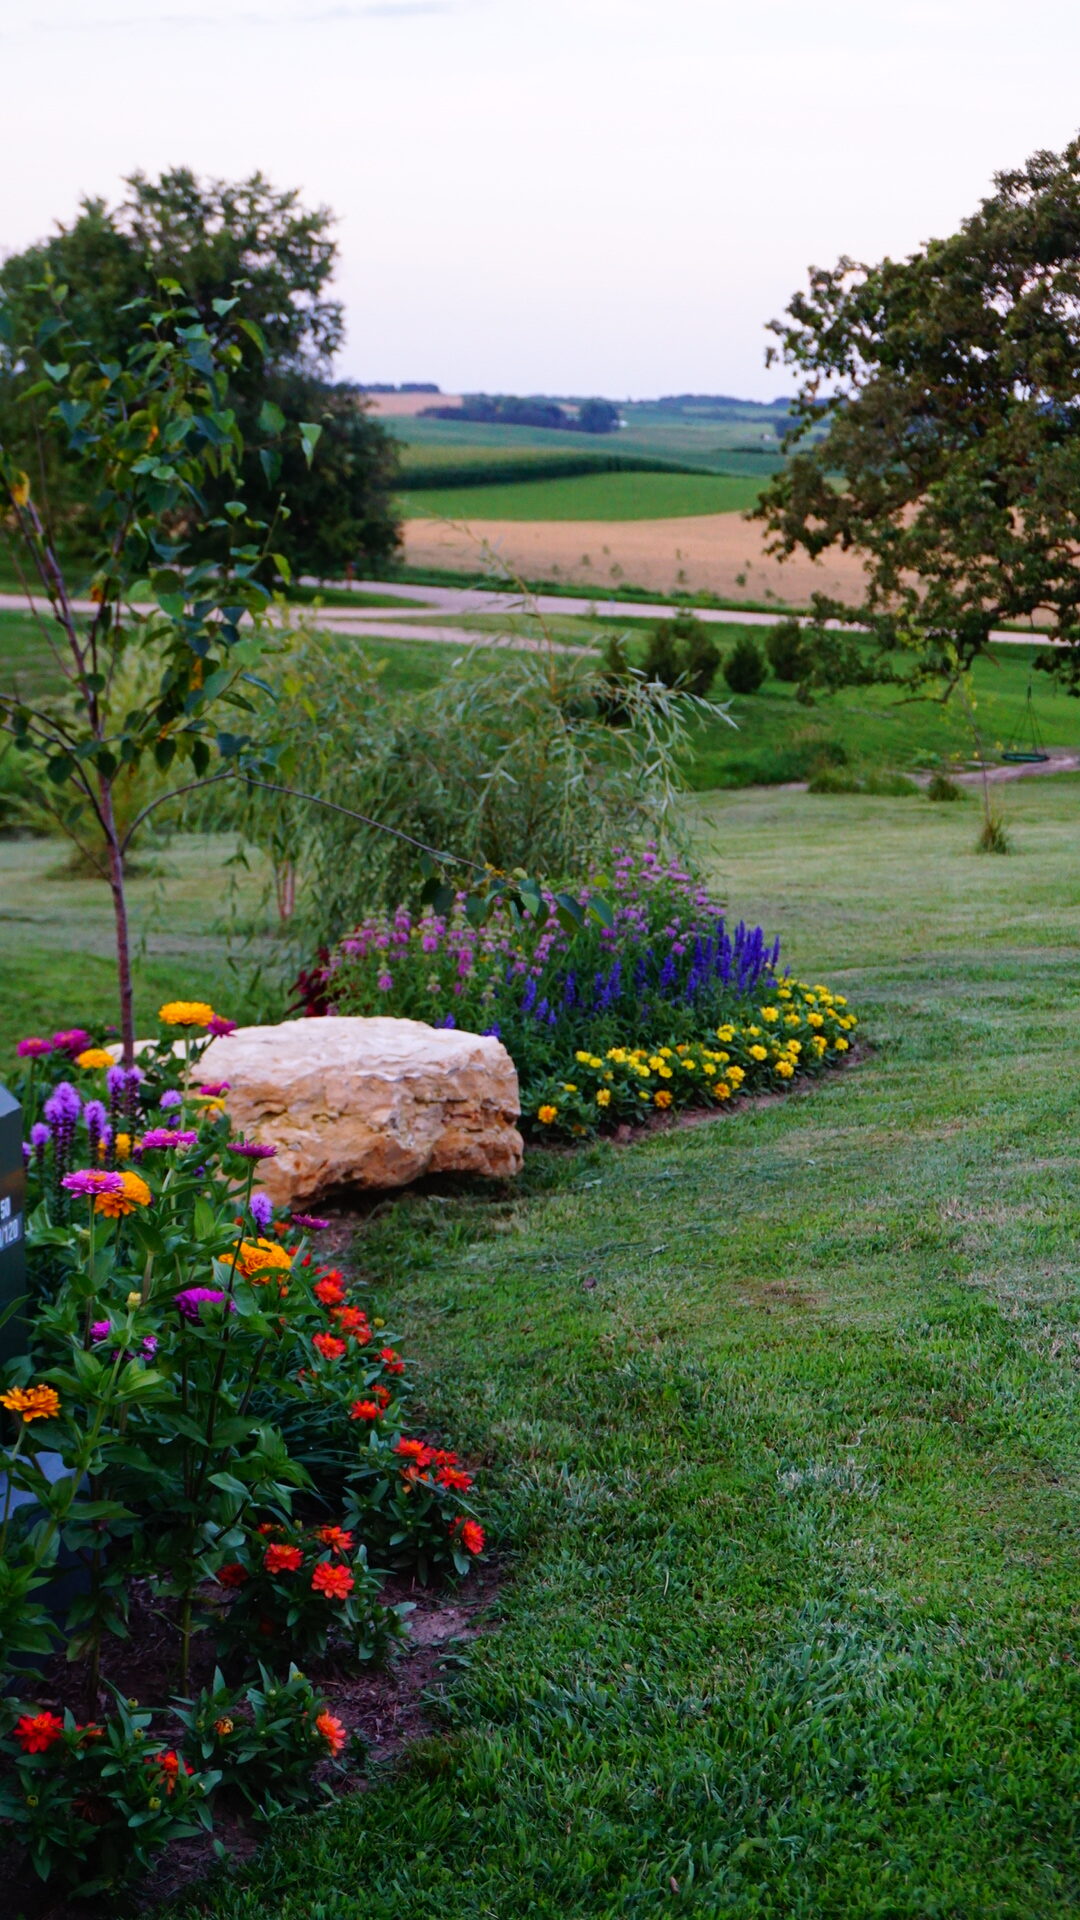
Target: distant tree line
[(261, 250), (506, 410)]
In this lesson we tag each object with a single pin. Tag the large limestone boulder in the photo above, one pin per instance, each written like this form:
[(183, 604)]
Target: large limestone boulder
[(368, 1103)]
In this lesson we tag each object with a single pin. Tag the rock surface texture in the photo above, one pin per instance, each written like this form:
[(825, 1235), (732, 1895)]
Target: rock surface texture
[(368, 1103)]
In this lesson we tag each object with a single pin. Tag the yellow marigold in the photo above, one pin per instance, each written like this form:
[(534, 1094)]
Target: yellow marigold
[(785, 1069), (794, 1046), (815, 1019), (663, 1098), (581, 1058), (135, 1193), (759, 1053), (722, 1090), (31, 1403), (736, 1075), (769, 1013), (840, 999), (726, 1034), (546, 1115), (123, 1146), (568, 1086), (840, 1043), (94, 1057), (708, 1068), (603, 1098), (185, 1013), (255, 1258), (665, 1072), (792, 1020), (655, 1062)]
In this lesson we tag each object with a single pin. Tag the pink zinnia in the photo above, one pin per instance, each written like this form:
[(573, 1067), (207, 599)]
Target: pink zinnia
[(252, 1149), (33, 1048), (168, 1137), (218, 1025), (93, 1180)]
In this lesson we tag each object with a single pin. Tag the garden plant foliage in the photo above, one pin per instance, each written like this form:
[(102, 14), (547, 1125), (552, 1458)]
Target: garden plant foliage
[(229, 1423), (665, 1008)]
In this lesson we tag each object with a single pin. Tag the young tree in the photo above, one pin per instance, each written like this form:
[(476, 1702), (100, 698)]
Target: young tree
[(149, 432), (948, 387)]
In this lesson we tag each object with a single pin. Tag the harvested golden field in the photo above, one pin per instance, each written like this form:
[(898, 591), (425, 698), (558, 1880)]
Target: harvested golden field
[(405, 406), (719, 552)]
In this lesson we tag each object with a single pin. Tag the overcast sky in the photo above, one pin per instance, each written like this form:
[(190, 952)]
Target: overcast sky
[(570, 196)]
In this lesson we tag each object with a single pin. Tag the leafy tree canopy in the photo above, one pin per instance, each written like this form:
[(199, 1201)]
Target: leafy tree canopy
[(946, 392), (246, 243)]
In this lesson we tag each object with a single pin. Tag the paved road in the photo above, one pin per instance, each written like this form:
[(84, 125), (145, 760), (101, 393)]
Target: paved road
[(387, 623)]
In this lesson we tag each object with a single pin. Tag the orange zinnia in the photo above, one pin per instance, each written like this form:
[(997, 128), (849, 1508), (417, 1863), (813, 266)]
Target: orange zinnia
[(336, 1583), (329, 1346), (332, 1730), (336, 1537), (31, 1403), (279, 1559), (134, 1193), (256, 1258)]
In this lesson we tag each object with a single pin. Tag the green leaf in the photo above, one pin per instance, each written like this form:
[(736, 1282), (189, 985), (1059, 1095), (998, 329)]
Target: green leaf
[(271, 418), (310, 435), (283, 567), (254, 333), (222, 307), (57, 371)]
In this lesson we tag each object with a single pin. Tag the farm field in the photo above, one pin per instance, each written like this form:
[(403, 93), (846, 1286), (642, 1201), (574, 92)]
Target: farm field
[(778, 1420), (719, 553), (743, 441), (593, 496)]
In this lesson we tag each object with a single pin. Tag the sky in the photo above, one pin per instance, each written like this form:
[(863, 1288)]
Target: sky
[(557, 196)]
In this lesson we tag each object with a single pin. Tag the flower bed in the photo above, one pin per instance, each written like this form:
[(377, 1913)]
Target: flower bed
[(666, 1008), (210, 1427)]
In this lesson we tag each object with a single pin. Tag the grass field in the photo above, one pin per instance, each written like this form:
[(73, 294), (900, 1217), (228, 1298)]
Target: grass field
[(778, 1421), (591, 496)]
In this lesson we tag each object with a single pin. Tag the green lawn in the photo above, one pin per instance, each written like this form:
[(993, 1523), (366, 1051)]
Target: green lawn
[(777, 1418), (778, 739), (779, 1425), (591, 496)]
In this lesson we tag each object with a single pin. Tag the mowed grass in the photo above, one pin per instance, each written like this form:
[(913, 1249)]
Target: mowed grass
[(591, 496), (777, 1418)]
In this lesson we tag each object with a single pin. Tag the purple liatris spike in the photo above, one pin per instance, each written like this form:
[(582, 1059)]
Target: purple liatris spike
[(262, 1210)]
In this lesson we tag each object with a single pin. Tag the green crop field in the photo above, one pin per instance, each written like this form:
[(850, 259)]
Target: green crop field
[(593, 496), (741, 440)]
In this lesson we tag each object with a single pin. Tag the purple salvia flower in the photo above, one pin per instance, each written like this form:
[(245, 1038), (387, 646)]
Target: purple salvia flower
[(63, 1106), (173, 1098)]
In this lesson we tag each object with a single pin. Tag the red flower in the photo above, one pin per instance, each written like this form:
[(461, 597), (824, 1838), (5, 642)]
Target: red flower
[(415, 1450), (329, 1291), (353, 1320), (329, 1346), (332, 1730), (337, 1538), (269, 1526), (444, 1459), (469, 1535), (454, 1480), (232, 1575), (169, 1764), (392, 1362), (381, 1394), (365, 1410), (279, 1559), (335, 1582), (36, 1732)]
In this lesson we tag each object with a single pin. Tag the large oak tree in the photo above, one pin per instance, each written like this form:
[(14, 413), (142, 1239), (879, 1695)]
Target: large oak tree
[(937, 432)]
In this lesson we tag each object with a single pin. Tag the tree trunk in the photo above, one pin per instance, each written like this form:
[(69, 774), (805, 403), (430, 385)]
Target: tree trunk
[(123, 946)]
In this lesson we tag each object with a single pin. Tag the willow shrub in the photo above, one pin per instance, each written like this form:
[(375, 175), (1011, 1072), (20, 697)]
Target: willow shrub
[(509, 761)]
